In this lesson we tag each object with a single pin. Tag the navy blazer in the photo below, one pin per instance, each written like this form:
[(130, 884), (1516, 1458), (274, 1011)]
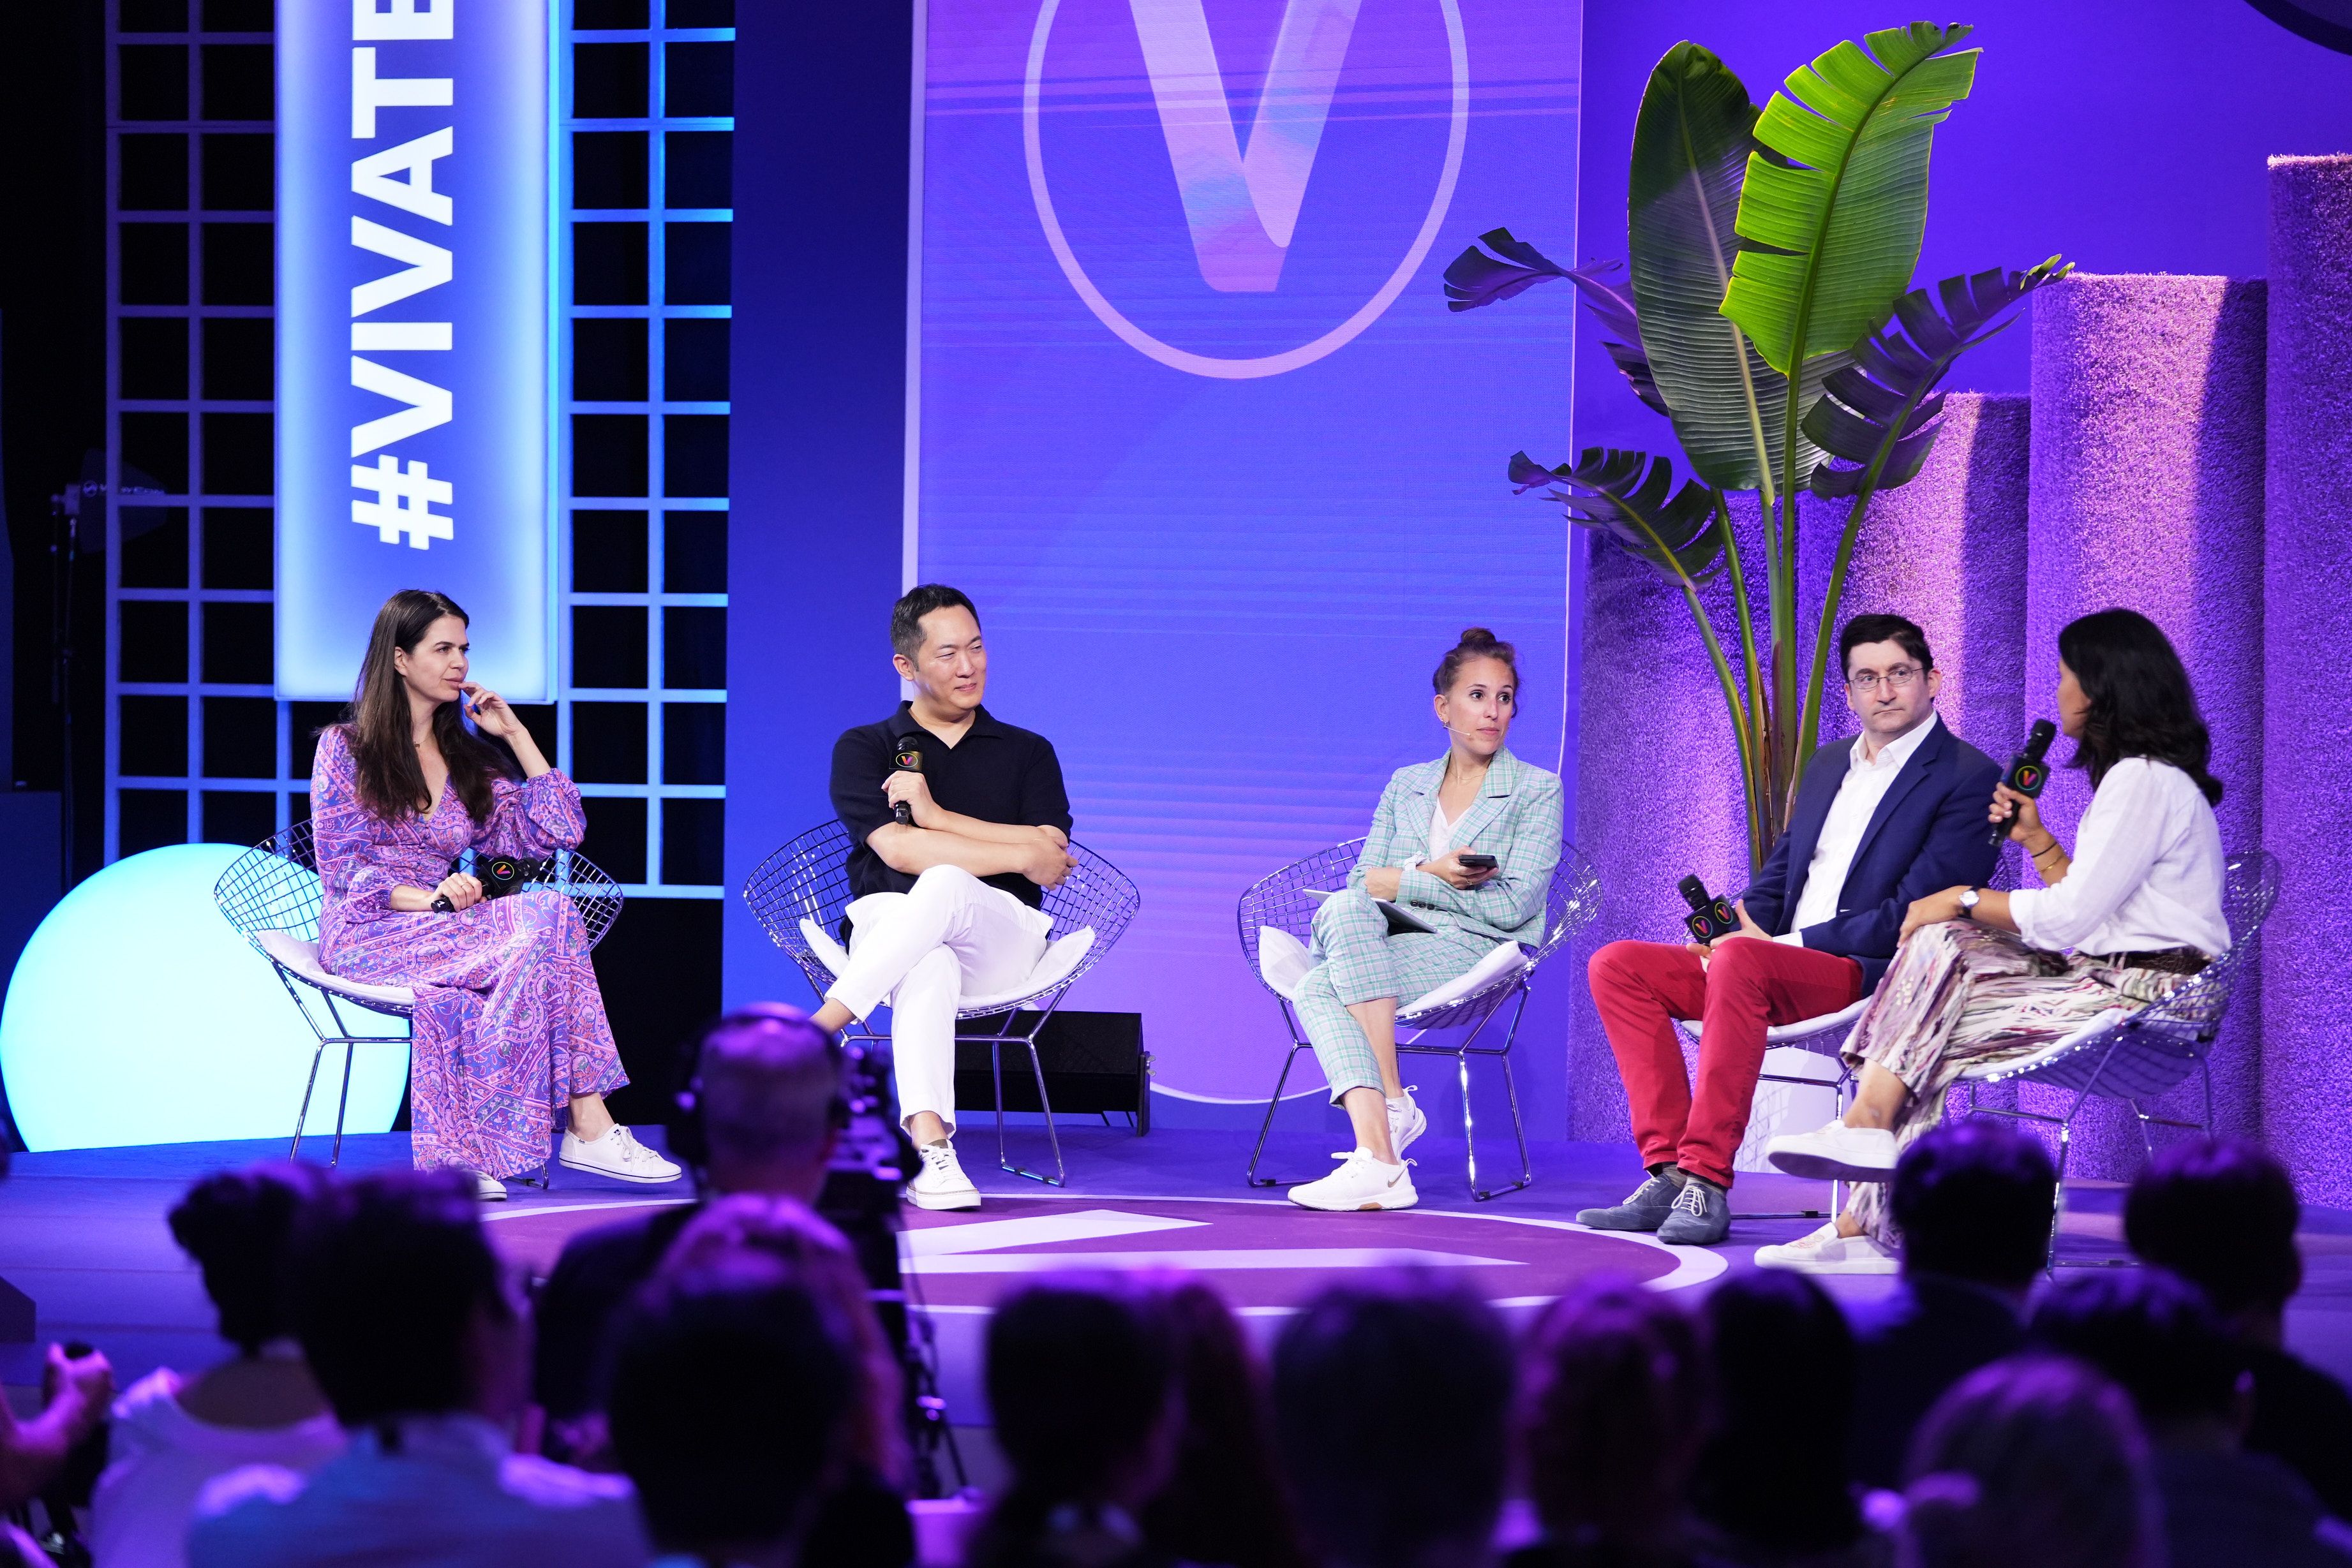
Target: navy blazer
[(1929, 834)]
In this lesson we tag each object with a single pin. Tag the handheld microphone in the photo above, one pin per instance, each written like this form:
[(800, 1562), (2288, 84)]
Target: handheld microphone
[(909, 759), (2027, 772), (1710, 917)]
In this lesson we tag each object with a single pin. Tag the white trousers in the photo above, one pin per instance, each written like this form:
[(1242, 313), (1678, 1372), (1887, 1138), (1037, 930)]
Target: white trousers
[(923, 952)]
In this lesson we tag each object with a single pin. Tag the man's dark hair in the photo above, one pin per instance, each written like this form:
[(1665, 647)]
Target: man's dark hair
[(907, 615), (1973, 1199), (238, 1225), (1783, 1358), (387, 1273), (2155, 1335), (1884, 629), (2221, 1214), (732, 1389), (1354, 1358)]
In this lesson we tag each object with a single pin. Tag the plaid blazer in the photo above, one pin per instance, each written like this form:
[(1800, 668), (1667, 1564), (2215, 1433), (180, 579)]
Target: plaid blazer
[(1517, 819)]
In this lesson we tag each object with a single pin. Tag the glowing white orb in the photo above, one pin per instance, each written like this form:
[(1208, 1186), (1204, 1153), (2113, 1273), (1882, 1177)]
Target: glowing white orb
[(138, 1015)]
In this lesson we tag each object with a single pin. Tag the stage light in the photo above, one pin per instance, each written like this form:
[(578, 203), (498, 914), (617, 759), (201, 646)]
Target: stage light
[(136, 1015)]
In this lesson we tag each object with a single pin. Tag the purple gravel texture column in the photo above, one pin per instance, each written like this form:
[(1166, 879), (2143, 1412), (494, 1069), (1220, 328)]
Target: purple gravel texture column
[(2147, 494), (1657, 792), (2307, 779), (1947, 551)]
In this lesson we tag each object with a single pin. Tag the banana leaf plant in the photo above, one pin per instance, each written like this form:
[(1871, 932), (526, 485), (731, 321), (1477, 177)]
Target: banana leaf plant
[(1767, 313)]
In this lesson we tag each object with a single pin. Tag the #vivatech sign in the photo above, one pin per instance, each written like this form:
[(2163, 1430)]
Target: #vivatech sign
[(412, 340)]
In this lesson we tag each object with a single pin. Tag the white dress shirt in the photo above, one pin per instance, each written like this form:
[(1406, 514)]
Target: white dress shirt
[(2146, 871), (1867, 780)]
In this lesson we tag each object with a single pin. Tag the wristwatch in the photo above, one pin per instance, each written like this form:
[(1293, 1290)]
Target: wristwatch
[(1969, 904)]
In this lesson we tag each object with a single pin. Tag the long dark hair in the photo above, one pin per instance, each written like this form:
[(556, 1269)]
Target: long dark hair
[(2141, 702), (377, 726)]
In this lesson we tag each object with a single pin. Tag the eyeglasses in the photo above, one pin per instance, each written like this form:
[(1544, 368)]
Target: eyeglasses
[(1901, 678)]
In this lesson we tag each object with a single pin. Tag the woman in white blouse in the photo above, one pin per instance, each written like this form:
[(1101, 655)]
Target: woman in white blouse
[(1984, 976)]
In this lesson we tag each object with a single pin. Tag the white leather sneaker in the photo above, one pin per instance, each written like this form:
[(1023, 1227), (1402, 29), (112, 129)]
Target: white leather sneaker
[(1836, 1152), (1825, 1251), (940, 1183), (488, 1188), (1361, 1182), (617, 1155)]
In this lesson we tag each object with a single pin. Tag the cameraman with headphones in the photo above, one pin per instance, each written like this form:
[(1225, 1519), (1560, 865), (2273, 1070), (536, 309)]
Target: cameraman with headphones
[(768, 1096)]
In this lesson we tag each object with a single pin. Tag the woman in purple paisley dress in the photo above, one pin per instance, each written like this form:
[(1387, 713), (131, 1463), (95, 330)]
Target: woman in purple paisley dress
[(509, 1029)]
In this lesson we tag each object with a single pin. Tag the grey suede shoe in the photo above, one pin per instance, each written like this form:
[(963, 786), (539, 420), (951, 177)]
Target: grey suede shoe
[(1644, 1209), (1701, 1217)]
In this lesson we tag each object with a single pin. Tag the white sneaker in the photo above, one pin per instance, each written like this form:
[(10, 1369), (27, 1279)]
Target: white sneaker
[(1836, 1152), (488, 1188), (618, 1154), (1361, 1182), (940, 1183), (1825, 1251)]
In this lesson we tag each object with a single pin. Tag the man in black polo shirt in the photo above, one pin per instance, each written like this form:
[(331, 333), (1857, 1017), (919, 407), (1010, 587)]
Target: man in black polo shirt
[(948, 891)]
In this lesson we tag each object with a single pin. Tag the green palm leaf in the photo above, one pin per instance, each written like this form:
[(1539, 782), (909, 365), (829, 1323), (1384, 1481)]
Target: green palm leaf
[(1693, 143), (1838, 191), (1631, 498)]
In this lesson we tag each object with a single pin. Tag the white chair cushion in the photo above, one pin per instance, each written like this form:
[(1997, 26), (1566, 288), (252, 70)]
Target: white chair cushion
[(1052, 967), (300, 954), (1795, 1033), (1506, 958), (2011, 1066), (1283, 961)]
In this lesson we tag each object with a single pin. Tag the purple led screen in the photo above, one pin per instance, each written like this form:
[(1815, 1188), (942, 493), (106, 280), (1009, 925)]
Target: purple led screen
[(1198, 434)]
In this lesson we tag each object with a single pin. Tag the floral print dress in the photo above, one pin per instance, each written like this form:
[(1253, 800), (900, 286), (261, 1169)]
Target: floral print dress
[(509, 1024)]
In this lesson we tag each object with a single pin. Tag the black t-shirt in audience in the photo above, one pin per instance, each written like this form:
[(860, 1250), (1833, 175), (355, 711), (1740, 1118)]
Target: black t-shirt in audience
[(2303, 1416), (997, 773)]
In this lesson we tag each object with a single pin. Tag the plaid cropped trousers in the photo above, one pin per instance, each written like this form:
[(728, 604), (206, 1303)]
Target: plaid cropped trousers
[(1358, 961)]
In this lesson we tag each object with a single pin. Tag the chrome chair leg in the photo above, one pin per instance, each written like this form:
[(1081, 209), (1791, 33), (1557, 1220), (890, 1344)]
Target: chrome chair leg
[(342, 1101), (1289, 1060), (302, 1116)]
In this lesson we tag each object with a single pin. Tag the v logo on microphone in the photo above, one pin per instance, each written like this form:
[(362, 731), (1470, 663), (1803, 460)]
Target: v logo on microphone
[(1241, 208)]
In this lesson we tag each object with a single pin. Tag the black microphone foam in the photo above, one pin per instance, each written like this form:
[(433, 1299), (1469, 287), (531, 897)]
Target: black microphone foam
[(1710, 917), (2027, 772)]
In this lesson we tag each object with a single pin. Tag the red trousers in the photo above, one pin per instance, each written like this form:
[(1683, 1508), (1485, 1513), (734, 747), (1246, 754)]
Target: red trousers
[(1749, 986)]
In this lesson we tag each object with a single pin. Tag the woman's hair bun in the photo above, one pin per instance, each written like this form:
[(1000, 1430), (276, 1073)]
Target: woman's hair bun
[(1475, 642), (1478, 637)]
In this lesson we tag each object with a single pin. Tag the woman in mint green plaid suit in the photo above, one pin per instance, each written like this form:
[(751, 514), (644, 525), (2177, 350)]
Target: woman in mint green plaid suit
[(1476, 799)]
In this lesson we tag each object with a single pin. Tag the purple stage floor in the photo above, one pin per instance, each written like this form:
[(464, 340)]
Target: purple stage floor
[(82, 1232)]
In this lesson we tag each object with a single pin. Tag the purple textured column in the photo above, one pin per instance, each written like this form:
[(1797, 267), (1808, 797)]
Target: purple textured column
[(2307, 779), (1657, 790), (1949, 551), (2147, 494)]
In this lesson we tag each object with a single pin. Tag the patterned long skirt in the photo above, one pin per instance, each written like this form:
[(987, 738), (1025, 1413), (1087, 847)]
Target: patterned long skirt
[(1959, 994)]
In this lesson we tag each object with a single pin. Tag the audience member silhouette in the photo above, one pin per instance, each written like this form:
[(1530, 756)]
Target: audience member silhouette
[(2031, 1462), (1226, 1502), (174, 1434), (768, 1080), (1614, 1413), (1772, 1488), (1973, 1200), (2221, 1214), (733, 1396), (1392, 1408), (2161, 1342), (862, 1522), (1081, 1381), (419, 1338)]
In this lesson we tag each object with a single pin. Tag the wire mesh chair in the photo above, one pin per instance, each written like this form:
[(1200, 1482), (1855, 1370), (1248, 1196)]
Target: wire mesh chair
[(1282, 902), (1823, 1036), (272, 895), (808, 880), (2135, 1056)]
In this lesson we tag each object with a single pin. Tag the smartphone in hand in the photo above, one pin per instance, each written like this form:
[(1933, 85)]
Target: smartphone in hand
[(1478, 862)]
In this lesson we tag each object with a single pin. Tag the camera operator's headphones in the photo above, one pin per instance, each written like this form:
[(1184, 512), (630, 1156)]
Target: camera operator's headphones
[(689, 1136)]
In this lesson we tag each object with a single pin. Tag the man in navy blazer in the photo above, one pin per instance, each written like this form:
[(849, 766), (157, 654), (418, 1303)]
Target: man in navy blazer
[(1895, 814)]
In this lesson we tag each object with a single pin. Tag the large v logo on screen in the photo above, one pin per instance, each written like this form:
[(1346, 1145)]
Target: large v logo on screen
[(1241, 208)]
